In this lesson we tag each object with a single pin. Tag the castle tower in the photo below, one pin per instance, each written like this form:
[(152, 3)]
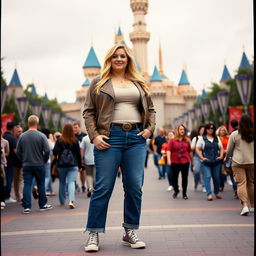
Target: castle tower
[(161, 71), (91, 65), (15, 87), (244, 62), (225, 76), (140, 36), (119, 37)]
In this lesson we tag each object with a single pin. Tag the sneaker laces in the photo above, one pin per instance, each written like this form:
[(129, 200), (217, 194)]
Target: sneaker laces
[(132, 234), (93, 238)]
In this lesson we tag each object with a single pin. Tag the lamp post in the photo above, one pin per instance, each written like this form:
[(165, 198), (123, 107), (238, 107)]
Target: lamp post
[(185, 119), (55, 118), (222, 98), (3, 96), (46, 112), (214, 106), (22, 106), (198, 114), (36, 108), (191, 114), (205, 107), (244, 87)]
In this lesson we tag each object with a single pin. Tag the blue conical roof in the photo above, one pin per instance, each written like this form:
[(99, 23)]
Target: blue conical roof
[(156, 76), (119, 32), (204, 95), (15, 79), (225, 74), (46, 99), (86, 82), (244, 62), (183, 78), (123, 42), (33, 90), (91, 60)]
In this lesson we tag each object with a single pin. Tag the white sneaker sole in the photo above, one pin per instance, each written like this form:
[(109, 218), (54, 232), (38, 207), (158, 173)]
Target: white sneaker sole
[(91, 248), (134, 246)]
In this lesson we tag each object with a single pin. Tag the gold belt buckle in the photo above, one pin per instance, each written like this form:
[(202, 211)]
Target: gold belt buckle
[(127, 127)]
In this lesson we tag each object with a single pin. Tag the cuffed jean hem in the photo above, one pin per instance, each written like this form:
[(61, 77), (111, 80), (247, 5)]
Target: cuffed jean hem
[(130, 226), (98, 230)]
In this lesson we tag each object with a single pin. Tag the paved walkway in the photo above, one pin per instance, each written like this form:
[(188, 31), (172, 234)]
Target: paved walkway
[(169, 226)]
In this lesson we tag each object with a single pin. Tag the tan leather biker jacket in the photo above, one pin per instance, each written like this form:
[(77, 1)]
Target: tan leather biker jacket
[(99, 109)]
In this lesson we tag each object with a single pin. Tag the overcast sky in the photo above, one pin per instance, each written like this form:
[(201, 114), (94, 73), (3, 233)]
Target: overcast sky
[(49, 40)]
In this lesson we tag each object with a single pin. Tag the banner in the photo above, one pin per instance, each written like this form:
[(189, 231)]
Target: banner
[(252, 113), (235, 113), (5, 119)]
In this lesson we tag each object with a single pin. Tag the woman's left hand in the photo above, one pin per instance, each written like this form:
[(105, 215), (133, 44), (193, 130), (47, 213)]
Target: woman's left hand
[(145, 133)]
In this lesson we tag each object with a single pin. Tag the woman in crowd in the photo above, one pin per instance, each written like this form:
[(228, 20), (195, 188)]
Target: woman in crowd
[(196, 160), (210, 151), (119, 117), (168, 168), (241, 148), (223, 135), (68, 163), (179, 156)]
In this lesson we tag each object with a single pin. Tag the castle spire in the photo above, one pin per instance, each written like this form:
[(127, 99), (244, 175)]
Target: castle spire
[(161, 71), (183, 78), (15, 78), (140, 36)]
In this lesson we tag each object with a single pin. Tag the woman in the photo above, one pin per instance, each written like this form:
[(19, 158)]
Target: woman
[(210, 151), (223, 135), (179, 156), (196, 159), (168, 168), (241, 148), (67, 169), (119, 117)]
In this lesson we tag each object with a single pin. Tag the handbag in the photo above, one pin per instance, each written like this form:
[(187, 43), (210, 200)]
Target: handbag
[(161, 161), (226, 167), (54, 169)]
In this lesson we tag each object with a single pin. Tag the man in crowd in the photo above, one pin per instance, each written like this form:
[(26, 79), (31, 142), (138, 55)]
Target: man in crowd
[(9, 169), (79, 134), (33, 150)]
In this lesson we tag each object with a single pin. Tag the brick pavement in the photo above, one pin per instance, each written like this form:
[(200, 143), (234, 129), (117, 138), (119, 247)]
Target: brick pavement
[(169, 227)]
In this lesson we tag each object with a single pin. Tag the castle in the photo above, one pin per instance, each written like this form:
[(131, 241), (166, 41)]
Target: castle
[(170, 99)]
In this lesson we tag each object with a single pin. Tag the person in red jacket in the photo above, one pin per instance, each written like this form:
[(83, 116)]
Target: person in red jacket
[(179, 156)]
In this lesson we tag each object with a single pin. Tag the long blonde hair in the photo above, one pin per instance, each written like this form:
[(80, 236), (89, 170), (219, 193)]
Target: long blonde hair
[(131, 72)]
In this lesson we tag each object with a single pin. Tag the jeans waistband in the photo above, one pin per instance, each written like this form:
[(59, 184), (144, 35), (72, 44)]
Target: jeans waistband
[(126, 126)]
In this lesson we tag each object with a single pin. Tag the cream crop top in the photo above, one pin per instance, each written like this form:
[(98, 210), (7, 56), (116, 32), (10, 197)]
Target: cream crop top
[(126, 105)]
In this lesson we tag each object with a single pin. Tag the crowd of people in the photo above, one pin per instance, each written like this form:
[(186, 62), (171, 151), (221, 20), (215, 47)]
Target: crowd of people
[(120, 120)]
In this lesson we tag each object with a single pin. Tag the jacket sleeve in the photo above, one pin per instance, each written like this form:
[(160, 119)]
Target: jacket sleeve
[(230, 146), (151, 115), (89, 112)]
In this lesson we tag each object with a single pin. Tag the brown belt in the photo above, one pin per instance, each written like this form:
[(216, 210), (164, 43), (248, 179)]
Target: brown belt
[(127, 126)]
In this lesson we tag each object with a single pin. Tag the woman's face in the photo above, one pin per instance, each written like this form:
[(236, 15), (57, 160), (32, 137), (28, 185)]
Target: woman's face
[(210, 130), (181, 131), (119, 60), (201, 131), (222, 132), (170, 135)]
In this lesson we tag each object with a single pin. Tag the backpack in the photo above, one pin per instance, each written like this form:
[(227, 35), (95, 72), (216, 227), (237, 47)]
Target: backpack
[(67, 158)]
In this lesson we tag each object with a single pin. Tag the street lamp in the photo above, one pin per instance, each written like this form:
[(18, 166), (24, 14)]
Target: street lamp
[(244, 87), (191, 114), (198, 114), (55, 118), (222, 98), (36, 108), (46, 112), (205, 107), (22, 106), (3, 96), (214, 106)]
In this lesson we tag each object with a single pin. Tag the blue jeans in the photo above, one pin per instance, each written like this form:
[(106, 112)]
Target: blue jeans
[(69, 173), (9, 171), (214, 173), (37, 172), (168, 169), (160, 168), (127, 150), (48, 178), (197, 170)]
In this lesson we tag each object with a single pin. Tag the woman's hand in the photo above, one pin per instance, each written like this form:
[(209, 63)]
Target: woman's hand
[(99, 143), (204, 158), (145, 133)]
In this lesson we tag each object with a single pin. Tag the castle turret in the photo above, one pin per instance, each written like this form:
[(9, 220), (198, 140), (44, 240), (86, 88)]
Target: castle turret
[(140, 36), (244, 62), (15, 87), (119, 37), (91, 65), (225, 77)]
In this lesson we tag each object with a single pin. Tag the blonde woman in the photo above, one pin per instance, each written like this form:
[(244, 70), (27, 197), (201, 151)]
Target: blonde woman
[(119, 117)]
